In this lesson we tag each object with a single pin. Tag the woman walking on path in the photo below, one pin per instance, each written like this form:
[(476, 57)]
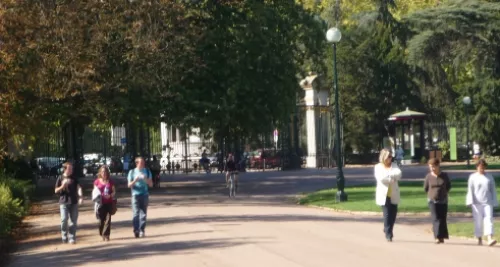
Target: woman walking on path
[(387, 175), (437, 185), (107, 188), (139, 179), (482, 197)]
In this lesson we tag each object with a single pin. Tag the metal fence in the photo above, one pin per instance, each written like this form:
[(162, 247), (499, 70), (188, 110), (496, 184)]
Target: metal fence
[(118, 146)]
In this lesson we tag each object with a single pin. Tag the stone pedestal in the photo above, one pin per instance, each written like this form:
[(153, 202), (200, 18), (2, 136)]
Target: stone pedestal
[(316, 101)]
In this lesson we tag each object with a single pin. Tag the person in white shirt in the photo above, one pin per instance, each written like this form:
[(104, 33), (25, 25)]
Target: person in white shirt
[(387, 195), (482, 197), (477, 150)]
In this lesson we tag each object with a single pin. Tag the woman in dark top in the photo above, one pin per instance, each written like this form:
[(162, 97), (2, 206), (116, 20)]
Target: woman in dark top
[(437, 185)]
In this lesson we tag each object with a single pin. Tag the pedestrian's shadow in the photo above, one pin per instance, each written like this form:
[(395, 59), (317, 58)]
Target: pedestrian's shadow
[(450, 243), (31, 244), (109, 251), (165, 235)]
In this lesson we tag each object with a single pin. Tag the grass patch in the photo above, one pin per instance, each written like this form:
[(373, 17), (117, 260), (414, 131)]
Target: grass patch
[(465, 229), (413, 198), (494, 166)]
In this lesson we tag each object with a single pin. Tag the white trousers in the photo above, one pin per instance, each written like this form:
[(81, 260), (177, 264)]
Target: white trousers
[(483, 219)]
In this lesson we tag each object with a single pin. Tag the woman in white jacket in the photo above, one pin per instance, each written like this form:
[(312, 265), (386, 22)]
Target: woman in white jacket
[(482, 197), (387, 196)]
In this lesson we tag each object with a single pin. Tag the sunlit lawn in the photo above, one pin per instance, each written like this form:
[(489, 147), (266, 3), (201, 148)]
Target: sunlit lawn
[(494, 166), (413, 198), (465, 229)]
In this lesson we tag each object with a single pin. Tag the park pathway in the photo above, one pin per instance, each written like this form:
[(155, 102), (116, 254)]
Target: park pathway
[(193, 223)]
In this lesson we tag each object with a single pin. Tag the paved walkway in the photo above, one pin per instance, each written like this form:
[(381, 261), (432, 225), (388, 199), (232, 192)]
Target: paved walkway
[(197, 225)]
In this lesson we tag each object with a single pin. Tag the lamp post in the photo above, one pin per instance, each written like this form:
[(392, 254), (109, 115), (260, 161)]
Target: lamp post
[(466, 100), (333, 35)]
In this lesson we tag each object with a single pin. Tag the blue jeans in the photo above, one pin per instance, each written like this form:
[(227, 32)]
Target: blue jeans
[(139, 211), (68, 211)]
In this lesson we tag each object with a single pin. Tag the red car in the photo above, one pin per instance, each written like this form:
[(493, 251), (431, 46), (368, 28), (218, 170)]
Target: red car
[(271, 156)]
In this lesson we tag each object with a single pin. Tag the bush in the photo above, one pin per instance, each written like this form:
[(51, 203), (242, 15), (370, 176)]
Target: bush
[(11, 210), (14, 202), (444, 146), (20, 190)]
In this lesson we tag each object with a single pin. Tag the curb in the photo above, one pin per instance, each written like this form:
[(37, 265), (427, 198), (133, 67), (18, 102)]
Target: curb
[(406, 214)]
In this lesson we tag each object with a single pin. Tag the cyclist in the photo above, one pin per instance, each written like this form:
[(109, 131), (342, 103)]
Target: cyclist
[(231, 167)]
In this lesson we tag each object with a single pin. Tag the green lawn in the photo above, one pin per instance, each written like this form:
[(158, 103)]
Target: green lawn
[(494, 166), (465, 229), (413, 198)]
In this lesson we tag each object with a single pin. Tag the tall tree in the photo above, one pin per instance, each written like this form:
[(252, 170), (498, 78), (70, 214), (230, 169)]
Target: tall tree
[(457, 48)]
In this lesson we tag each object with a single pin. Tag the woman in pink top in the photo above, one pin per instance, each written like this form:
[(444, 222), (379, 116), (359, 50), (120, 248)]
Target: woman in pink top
[(107, 189)]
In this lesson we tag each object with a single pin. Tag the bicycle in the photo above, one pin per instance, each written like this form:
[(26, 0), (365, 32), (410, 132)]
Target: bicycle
[(232, 184)]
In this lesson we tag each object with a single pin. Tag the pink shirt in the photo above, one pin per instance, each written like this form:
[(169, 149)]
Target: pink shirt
[(106, 190)]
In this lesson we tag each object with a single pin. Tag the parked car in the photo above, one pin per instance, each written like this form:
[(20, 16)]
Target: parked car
[(213, 160), (90, 167), (48, 166), (116, 165), (271, 156)]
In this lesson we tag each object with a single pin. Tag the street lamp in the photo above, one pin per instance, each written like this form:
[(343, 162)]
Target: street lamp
[(333, 35), (466, 100)]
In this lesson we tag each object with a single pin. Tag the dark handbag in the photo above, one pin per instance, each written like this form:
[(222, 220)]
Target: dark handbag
[(114, 207)]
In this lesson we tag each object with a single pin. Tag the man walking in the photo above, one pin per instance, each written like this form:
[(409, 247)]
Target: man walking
[(139, 179), (70, 196)]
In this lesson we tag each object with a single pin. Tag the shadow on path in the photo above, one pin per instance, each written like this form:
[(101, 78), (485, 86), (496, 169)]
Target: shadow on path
[(108, 252)]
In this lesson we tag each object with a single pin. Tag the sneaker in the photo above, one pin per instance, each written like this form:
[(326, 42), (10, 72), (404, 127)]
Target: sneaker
[(72, 242), (136, 234), (480, 241), (492, 243), (65, 241), (142, 234)]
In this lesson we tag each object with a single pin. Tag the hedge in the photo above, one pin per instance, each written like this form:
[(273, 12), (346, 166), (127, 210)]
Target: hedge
[(14, 205)]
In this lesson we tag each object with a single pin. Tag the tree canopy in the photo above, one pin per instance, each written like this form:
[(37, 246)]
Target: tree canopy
[(426, 55), (210, 64)]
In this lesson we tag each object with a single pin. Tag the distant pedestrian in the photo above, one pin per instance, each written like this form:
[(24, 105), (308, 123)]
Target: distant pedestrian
[(155, 168), (482, 197), (400, 153), (70, 196), (107, 191), (387, 196), (126, 164), (139, 179), (477, 150), (437, 185)]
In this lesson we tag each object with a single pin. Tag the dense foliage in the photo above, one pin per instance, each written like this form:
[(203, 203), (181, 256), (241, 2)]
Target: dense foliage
[(234, 65), (210, 64), (422, 54)]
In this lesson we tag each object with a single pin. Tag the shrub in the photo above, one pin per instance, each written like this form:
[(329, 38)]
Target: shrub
[(444, 146), (14, 201), (423, 160), (20, 190), (11, 210)]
